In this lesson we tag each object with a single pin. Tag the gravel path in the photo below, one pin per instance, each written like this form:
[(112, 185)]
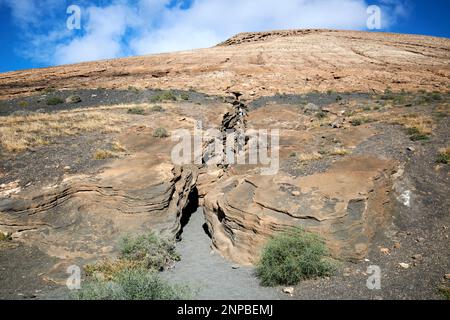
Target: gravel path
[(211, 274)]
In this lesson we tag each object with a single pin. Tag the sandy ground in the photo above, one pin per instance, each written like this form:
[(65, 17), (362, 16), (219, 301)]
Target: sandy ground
[(214, 277)]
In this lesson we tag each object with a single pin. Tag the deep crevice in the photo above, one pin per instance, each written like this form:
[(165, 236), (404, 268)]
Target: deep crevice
[(191, 207)]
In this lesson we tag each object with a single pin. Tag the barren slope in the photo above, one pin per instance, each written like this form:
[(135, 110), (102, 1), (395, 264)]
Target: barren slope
[(263, 64)]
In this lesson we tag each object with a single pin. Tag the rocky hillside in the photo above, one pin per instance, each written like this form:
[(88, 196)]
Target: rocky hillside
[(86, 156), (263, 64)]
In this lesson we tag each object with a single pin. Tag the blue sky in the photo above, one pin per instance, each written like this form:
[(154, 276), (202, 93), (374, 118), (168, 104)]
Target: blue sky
[(34, 33)]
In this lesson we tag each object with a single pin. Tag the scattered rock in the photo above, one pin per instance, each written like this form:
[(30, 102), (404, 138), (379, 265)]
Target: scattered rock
[(417, 257), (412, 149), (73, 99), (295, 193), (235, 267), (338, 123), (312, 107), (289, 291), (67, 168), (420, 239), (385, 251), (397, 245), (404, 265), (347, 272), (447, 276)]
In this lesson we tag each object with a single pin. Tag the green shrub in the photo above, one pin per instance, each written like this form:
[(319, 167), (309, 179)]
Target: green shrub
[(443, 156), (168, 96), (136, 110), (339, 97), (157, 108), (445, 292), (160, 133), (419, 137), (133, 89), (151, 251), (292, 256), (132, 284), (416, 135), (184, 96), (49, 90), (164, 96), (23, 104), (5, 236), (360, 121), (321, 115), (435, 96), (53, 101)]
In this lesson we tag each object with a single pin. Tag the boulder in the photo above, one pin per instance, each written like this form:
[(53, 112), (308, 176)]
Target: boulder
[(73, 99)]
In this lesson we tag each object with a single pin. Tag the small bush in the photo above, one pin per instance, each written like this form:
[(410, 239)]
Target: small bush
[(117, 147), (168, 96), (445, 292), (184, 96), (132, 284), (53, 101), (148, 249), (435, 96), (443, 156), (416, 134), (321, 115), (108, 270), (339, 97), (160, 133), (360, 121), (164, 96), (103, 155), (419, 137), (136, 110), (292, 256), (133, 89), (23, 104), (49, 90), (5, 236), (157, 108)]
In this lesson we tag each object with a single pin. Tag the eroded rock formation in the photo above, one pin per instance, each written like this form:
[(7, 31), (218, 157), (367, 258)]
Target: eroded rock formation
[(345, 204)]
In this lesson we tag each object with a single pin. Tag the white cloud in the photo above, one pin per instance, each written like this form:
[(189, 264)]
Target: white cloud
[(126, 27), (105, 29)]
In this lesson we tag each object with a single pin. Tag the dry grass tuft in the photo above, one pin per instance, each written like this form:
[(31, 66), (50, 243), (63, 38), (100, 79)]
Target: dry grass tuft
[(444, 156), (117, 147), (17, 133), (306, 157), (103, 155), (108, 269), (339, 152)]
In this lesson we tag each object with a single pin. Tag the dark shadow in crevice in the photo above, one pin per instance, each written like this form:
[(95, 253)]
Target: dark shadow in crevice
[(206, 229), (191, 207)]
